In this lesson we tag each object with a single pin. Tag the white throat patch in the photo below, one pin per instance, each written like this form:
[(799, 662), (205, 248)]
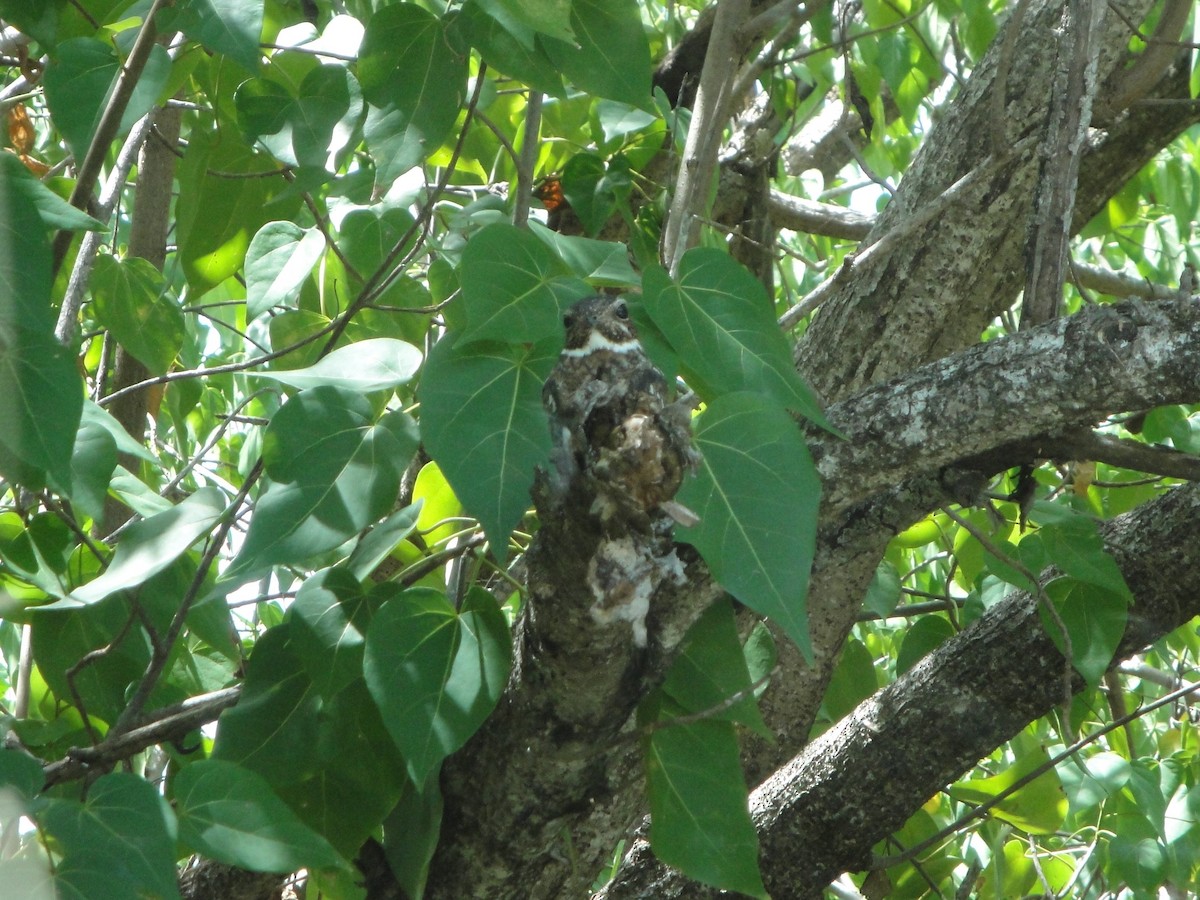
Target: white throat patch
[(597, 341)]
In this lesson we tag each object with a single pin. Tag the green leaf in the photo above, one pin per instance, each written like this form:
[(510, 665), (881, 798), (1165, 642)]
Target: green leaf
[(376, 364), (483, 422), (720, 322), (756, 493), (411, 832), (330, 617), (315, 128), (230, 814), (64, 636), (368, 236), (359, 776), (509, 49), (699, 815), (41, 394), (524, 18), (149, 546), (513, 288), (610, 56), (217, 214), (602, 263), (335, 470), (853, 681), (1075, 546), (921, 637), (118, 843), (131, 300), (274, 728), (279, 261), (415, 81), (379, 542), (41, 400), (92, 466), (1037, 808), (436, 674), (1095, 620), (55, 212), (711, 668), (80, 81), (231, 27)]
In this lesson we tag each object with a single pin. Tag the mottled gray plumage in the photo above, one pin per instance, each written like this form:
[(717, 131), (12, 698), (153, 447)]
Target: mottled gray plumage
[(609, 413)]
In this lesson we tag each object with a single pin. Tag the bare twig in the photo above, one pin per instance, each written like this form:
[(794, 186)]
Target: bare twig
[(713, 102)]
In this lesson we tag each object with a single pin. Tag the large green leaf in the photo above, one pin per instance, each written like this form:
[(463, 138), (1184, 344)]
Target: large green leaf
[(415, 81), (41, 399), (231, 27), (278, 262), (756, 493), (699, 814), (711, 669), (118, 844), (1038, 807), (230, 814), (718, 319), (513, 287), (315, 128), (131, 300), (508, 47), (218, 211), (62, 637), (411, 832), (610, 56), (274, 728), (334, 471), (434, 673), (92, 466), (41, 394), (359, 776), (524, 18), (329, 620), (54, 211), (483, 422), (149, 546), (1095, 620), (377, 364)]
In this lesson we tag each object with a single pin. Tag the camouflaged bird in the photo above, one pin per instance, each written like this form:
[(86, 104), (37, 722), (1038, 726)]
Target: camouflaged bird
[(610, 417)]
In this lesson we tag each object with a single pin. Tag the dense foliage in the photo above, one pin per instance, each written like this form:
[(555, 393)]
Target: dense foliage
[(280, 287)]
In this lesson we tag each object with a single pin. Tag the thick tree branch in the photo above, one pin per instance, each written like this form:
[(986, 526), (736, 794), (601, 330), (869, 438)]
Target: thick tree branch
[(937, 290), (1054, 379)]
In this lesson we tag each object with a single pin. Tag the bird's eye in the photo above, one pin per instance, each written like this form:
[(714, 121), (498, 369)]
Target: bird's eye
[(621, 309)]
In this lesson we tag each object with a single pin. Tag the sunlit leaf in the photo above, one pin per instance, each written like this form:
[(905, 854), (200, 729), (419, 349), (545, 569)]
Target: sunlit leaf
[(149, 546), (1037, 807), (371, 365), (482, 421), (279, 260)]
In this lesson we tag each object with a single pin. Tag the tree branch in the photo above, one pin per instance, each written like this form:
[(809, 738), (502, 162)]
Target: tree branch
[(821, 813)]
